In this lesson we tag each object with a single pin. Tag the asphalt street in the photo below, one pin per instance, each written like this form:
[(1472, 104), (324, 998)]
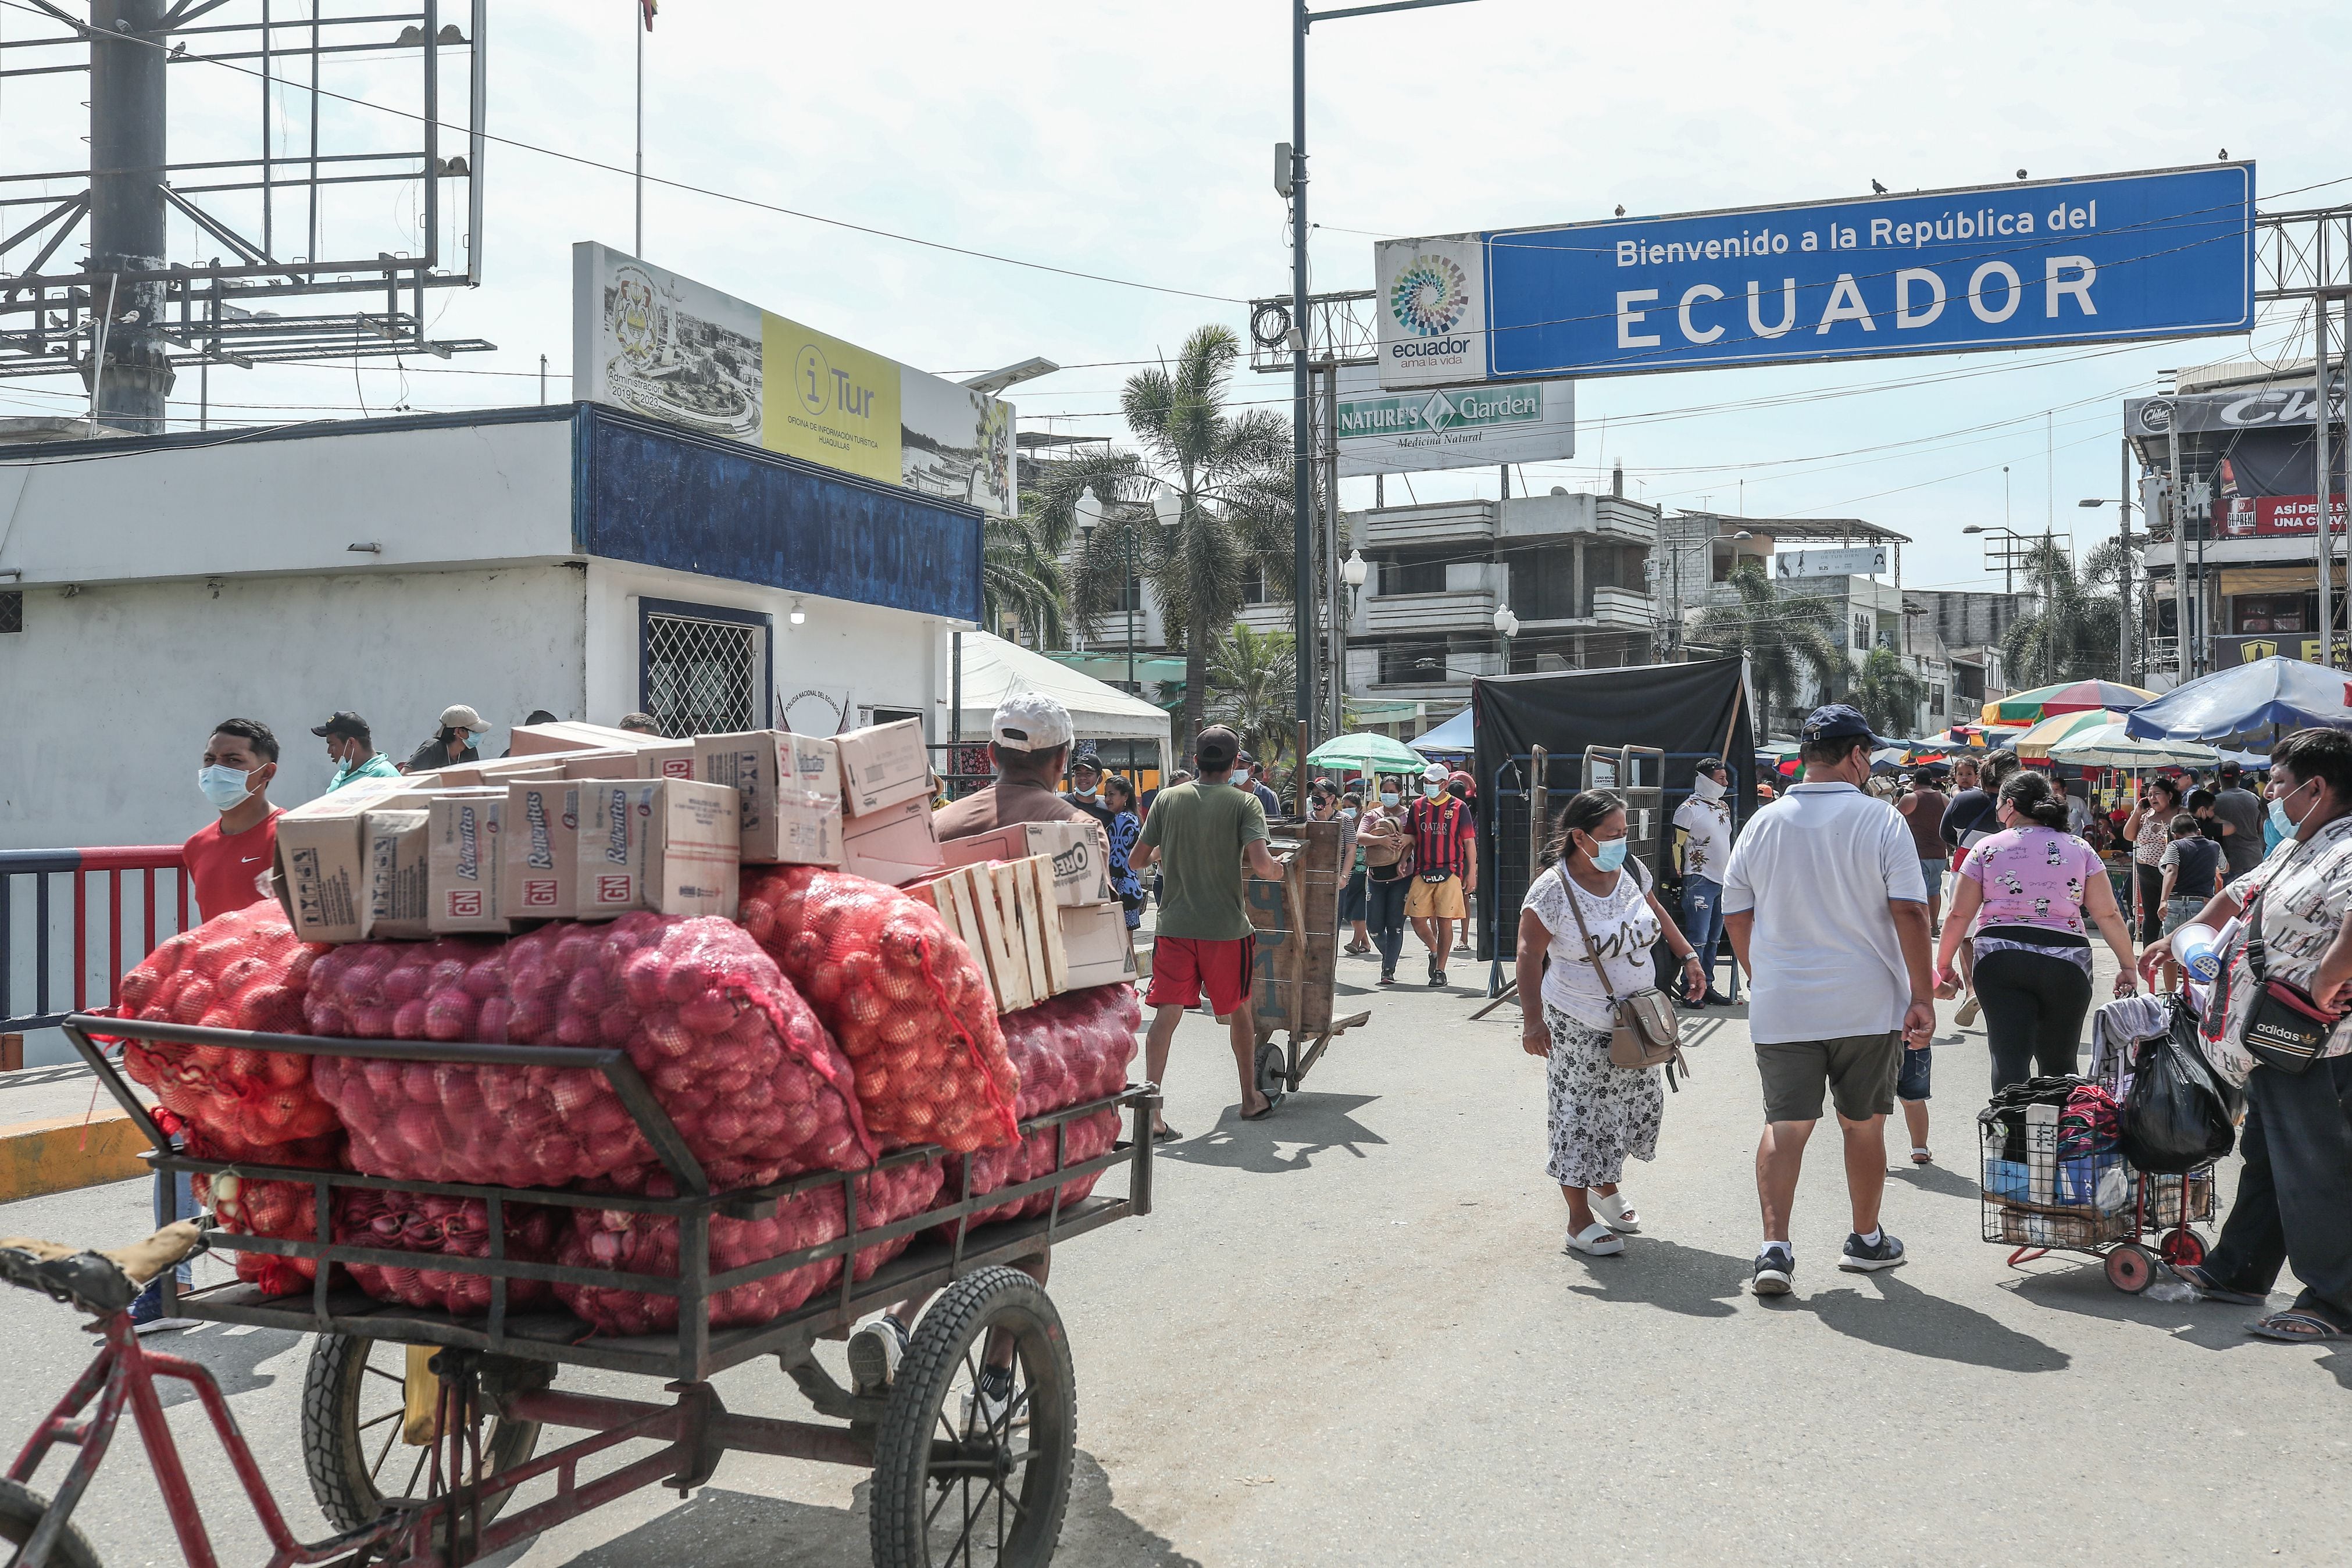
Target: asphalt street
[(1348, 1335)]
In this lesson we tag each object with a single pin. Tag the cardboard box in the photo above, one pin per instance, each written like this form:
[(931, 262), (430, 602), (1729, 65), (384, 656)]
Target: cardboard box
[(894, 846), (882, 766), (1079, 854), (497, 770), (466, 862), (668, 759), (539, 851), (670, 845), (1101, 949), (322, 865), (790, 788), (564, 735), (394, 843)]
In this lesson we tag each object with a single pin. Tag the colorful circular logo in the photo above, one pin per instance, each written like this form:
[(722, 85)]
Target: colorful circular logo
[(1429, 295)]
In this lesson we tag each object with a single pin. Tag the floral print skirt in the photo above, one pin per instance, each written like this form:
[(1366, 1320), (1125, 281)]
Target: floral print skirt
[(1601, 1112)]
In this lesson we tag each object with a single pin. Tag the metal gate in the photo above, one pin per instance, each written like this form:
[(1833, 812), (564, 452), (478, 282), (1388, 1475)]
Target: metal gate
[(703, 674)]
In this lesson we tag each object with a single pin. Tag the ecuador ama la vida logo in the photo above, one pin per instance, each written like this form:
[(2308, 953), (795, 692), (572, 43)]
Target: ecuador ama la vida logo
[(1430, 295)]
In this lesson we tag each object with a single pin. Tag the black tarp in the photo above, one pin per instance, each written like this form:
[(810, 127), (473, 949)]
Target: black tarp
[(1684, 710)]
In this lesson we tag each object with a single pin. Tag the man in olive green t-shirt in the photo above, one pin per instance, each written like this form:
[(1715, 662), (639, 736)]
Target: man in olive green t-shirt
[(1200, 835)]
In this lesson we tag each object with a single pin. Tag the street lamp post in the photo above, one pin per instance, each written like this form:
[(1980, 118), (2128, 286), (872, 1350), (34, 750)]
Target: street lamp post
[(2124, 505), (1168, 507), (1507, 625), (2008, 555)]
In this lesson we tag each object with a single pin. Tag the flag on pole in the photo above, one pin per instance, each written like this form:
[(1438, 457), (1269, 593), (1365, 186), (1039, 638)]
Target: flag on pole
[(650, 7)]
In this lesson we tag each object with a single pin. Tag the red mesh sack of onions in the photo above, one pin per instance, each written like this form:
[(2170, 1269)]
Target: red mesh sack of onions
[(1068, 1050), (636, 1243), (449, 1227), (901, 994), (241, 970), (284, 1209), (730, 1050)]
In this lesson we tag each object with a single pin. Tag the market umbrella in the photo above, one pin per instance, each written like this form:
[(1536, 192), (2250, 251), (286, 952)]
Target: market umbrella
[(1451, 739), (1367, 753), (2037, 741), (2114, 745), (2068, 696), (2249, 705)]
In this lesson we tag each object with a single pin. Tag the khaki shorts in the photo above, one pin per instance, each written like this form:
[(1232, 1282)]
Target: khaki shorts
[(1859, 1069), (1436, 900)]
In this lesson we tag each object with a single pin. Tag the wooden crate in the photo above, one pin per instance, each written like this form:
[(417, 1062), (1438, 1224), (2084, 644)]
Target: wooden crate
[(1296, 921), (1004, 910)]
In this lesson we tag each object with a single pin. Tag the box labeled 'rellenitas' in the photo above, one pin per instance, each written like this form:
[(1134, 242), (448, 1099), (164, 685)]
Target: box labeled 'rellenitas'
[(321, 864), (1080, 853), (670, 845), (539, 851), (396, 844), (467, 863), (882, 766), (790, 790)]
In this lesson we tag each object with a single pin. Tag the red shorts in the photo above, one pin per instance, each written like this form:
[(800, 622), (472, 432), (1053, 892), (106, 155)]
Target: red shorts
[(1184, 966)]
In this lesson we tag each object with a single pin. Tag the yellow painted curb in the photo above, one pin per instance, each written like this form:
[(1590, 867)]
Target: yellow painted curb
[(64, 1152)]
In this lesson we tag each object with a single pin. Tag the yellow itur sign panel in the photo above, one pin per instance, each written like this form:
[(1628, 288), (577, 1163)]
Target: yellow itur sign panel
[(828, 401)]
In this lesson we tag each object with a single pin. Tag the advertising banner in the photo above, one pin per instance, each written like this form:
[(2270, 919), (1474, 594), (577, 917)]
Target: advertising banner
[(2232, 652), (2242, 408), (1450, 427), (2272, 516), (2161, 254), (651, 342), (1862, 561)]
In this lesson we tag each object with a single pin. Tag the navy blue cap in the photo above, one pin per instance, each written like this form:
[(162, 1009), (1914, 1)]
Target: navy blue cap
[(1839, 722)]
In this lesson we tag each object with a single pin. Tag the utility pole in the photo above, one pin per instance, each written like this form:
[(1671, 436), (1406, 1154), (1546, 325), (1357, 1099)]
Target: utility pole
[(2320, 485), (2124, 500), (129, 370), (2180, 558), (645, 24), (1302, 429)]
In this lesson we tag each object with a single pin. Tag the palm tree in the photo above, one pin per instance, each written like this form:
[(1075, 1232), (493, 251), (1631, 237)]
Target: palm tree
[(1784, 635), (2076, 629), (1230, 476), (1888, 694), (1020, 577), (1255, 677)]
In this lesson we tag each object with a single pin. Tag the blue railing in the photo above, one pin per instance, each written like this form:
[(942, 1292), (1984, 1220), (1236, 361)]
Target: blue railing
[(54, 952)]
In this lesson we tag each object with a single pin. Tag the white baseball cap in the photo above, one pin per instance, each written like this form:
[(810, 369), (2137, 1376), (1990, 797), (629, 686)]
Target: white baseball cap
[(460, 716), (1031, 721), (1436, 773)]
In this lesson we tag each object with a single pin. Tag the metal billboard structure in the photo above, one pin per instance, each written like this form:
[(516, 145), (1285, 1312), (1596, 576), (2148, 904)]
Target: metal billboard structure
[(125, 317)]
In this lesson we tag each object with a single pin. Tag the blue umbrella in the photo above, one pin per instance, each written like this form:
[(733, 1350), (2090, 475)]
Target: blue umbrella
[(2249, 705), (1451, 739)]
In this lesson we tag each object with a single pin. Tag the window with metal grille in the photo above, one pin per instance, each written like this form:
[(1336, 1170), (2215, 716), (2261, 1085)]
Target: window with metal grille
[(703, 668), (12, 613)]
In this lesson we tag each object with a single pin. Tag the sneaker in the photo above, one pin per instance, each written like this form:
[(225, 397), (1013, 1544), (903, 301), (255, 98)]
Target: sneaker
[(147, 1313), (1388, 976), (984, 1408), (1436, 973), (1776, 1266), (875, 1352), (1865, 1257)]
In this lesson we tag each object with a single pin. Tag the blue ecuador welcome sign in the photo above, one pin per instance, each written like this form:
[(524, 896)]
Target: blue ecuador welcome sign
[(2159, 254)]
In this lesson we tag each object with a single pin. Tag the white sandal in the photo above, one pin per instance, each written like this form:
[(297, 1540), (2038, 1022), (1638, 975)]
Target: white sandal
[(1596, 1239), (1616, 1213), (1920, 1156)]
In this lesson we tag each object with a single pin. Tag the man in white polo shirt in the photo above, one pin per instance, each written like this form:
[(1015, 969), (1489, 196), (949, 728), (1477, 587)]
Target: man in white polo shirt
[(1828, 913)]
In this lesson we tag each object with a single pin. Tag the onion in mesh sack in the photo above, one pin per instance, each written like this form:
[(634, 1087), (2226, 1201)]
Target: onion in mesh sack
[(901, 994), (636, 1243), (445, 1226), (284, 1209), (245, 970), (728, 1048)]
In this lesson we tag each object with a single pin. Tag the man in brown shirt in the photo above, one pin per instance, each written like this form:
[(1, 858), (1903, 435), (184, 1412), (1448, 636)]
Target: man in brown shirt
[(1029, 740)]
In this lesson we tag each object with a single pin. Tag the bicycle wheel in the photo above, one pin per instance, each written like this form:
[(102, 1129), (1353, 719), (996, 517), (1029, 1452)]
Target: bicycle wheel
[(353, 1400), (956, 1482), (21, 1511)]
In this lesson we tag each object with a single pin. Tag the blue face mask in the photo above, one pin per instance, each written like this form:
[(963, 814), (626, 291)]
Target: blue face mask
[(223, 787), (1610, 856), (2287, 826), (1389, 796)]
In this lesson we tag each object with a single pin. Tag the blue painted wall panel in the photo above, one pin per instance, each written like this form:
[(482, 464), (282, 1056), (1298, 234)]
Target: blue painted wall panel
[(661, 497)]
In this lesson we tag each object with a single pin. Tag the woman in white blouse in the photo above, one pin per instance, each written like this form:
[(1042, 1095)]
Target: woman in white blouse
[(1600, 1112)]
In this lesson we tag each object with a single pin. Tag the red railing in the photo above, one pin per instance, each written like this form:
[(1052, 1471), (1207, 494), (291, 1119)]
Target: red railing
[(31, 955)]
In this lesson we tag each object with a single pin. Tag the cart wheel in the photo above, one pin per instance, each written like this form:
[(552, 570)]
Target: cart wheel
[(21, 1511), (1273, 1070), (352, 1401), (950, 1485), (2130, 1268), (2183, 1248)]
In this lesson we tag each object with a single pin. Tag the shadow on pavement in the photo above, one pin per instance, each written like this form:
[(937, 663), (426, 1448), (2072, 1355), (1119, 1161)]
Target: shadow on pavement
[(722, 1529), (1941, 1180), (2084, 1291), (1906, 1318), (234, 1355), (1303, 1127), (1686, 1280)]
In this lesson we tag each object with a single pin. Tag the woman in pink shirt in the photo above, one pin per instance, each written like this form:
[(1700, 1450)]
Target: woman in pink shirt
[(2026, 890)]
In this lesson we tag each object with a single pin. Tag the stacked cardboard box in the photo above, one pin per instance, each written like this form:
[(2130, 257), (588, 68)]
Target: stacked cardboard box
[(790, 790), (668, 845)]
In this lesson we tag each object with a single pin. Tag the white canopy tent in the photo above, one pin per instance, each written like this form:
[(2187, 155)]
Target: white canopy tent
[(993, 668)]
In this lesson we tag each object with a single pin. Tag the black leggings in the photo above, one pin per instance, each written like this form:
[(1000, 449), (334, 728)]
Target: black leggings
[(2033, 1009), (2151, 901)]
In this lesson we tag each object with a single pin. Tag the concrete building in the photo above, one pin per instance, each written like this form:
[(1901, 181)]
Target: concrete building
[(569, 557)]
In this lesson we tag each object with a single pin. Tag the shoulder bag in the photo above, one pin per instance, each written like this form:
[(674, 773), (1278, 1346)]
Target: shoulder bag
[(2285, 1029), (1646, 1032)]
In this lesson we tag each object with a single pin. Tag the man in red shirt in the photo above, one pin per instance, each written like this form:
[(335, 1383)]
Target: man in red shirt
[(1444, 866), (228, 859)]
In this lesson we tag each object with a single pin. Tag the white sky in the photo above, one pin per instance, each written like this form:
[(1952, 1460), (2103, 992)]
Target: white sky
[(1134, 139)]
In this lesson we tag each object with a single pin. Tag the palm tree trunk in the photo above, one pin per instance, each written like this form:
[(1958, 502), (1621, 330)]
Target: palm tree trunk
[(1196, 682)]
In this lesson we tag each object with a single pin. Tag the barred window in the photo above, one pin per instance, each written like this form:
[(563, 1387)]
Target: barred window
[(12, 613), (703, 675)]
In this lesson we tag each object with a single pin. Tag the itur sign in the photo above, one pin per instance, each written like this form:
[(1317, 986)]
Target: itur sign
[(2162, 254)]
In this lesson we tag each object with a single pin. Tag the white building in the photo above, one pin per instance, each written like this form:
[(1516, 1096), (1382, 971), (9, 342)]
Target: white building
[(569, 557)]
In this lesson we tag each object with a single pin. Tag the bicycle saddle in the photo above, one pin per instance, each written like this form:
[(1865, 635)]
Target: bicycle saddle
[(100, 1283)]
